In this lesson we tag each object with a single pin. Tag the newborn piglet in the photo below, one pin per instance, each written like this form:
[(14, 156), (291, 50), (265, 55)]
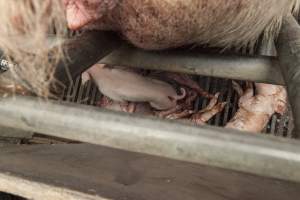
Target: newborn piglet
[(255, 110), (123, 86), (183, 111)]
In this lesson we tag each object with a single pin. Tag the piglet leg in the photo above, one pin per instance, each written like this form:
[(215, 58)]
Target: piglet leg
[(181, 110), (187, 81), (165, 113), (203, 115), (180, 115), (104, 102), (128, 107), (209, 111)]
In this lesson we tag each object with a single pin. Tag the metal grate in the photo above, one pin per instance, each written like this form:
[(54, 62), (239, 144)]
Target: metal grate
[(278, 125)]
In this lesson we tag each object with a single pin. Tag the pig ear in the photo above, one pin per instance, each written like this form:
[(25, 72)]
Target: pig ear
[(77, 15)]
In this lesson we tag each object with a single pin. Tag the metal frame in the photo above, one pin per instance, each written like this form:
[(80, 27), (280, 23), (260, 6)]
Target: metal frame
[(94, 46), (265, 156), (289, 58), (229, 149), (258, 69)]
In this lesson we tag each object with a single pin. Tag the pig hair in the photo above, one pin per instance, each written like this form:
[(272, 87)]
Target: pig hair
[(24, 40), (227, 24)]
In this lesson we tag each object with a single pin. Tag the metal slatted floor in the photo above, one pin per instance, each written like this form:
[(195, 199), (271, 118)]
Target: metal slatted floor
[(278, 125)]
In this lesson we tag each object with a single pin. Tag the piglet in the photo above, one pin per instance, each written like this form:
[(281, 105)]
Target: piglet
[(123, 86), (255, 110)]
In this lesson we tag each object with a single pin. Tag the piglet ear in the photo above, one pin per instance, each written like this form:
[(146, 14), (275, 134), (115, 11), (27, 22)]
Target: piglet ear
[(77, 15), (281, 107), (85, 77)]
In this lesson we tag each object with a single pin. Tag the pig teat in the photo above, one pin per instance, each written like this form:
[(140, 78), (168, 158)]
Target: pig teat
[(82, 12)]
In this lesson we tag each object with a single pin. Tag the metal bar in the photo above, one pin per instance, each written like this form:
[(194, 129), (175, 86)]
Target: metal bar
[(91, 172), (289, 58), (229, 149), (258, 69), (88, 48), (82, 52)]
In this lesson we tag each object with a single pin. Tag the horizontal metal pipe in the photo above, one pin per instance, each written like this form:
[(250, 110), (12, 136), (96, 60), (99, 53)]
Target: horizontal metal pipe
[(289, 57), (88, 48), (229, 149), (258, 69)]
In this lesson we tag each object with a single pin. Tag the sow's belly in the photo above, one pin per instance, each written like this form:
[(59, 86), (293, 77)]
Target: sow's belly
[(160, 24)]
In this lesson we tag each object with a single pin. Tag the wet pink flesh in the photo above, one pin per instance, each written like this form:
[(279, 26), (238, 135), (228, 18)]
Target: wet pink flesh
[(77, 14)]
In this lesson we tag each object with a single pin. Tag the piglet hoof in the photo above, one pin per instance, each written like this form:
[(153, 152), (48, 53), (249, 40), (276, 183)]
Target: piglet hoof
[(128, 107), (180, 115), (104, 102), (165, 113)]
